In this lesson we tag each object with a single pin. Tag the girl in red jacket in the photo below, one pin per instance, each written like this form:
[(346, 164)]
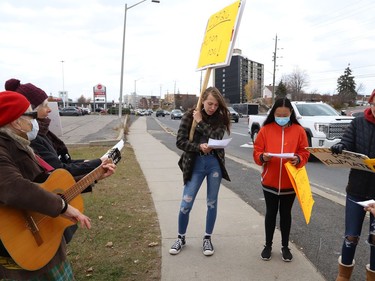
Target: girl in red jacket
[(281, 133)]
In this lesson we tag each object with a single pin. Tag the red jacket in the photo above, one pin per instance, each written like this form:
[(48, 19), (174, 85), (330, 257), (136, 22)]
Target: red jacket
[(273, 138)]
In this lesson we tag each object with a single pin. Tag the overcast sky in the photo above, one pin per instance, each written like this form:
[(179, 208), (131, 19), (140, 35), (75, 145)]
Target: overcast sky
[(163, 43)]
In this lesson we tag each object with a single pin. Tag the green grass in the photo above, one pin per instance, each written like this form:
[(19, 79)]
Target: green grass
[(124, 241)]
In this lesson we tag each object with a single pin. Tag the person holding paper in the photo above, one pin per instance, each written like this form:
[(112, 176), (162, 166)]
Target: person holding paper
[(360, 138), (199, 161), (370, 208), (281, 135), (50, 150)]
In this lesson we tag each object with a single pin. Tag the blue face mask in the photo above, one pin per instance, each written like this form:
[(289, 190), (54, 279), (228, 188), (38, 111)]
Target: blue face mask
[(282, 121)]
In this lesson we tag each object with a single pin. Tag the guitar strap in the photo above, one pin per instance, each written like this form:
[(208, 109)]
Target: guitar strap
[(44, 164)]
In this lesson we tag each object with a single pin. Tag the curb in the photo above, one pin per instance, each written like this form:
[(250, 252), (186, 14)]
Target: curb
[(110, 142)]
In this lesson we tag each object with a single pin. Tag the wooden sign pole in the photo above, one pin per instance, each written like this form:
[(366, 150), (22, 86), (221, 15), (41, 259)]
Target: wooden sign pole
[(199, 104)]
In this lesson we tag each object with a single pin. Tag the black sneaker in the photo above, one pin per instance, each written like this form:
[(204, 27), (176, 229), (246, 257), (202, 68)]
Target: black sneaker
[(208, 248), (266, 253), (286, 255), (177, 246)]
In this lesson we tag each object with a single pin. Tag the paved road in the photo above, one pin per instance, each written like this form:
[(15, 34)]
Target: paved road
[(83, 129)]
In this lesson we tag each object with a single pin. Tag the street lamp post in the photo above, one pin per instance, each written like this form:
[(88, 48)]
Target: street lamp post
[(123, 52), (63, 88)]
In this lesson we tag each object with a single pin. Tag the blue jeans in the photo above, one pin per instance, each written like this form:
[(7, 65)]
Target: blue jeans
[(354, 216), (204, 166)]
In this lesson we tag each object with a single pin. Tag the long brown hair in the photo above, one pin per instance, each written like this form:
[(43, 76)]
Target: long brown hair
[(222, 113)]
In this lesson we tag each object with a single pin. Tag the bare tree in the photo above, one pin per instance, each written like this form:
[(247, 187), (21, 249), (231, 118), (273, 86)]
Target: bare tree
[(81, 100), (296, 81), (360, 88)]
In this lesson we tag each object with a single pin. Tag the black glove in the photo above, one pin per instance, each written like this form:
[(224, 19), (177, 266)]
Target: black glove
[(337, 148)]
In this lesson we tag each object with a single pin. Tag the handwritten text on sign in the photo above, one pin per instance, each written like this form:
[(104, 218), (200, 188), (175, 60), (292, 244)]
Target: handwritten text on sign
[(346, 159), (219, 38)]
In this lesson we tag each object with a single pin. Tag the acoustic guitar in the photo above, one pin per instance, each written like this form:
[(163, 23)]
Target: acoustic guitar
[(32, 239)]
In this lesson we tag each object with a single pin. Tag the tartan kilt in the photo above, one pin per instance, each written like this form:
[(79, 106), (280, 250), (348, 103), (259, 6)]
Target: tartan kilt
[(60, 272)]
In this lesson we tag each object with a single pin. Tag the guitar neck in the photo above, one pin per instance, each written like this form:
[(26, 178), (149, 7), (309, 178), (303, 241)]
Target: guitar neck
[(83, 183), (114, 156)]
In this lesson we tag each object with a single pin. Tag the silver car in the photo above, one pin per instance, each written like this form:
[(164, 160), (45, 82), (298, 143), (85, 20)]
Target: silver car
[(176, 114)]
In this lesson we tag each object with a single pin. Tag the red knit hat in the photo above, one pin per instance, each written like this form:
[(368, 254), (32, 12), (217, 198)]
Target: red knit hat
[(12, 106), (35, 95)]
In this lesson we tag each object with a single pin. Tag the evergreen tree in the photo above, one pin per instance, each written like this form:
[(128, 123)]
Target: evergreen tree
[(346, 87), (281, 90)]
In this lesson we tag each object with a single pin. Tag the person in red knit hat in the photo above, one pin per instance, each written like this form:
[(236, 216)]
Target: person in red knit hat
[(359, 137), (47, 145), (21, 195)]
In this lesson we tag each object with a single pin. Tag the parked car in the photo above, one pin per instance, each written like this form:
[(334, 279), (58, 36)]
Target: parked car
[(233, 114), (166, 112), (323, 125), (160, 113), (100, 110), (85, 110), (176, 114), (70, 111)]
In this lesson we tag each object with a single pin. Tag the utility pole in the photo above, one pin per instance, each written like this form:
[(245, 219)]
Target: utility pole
[(274, 71), (160, 97), (63, 86)]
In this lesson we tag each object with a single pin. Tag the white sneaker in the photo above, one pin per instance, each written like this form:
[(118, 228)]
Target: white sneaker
[(208, 248), (177, 246)]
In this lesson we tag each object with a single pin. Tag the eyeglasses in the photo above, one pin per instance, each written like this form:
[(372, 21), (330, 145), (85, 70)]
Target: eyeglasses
[(32, 114)]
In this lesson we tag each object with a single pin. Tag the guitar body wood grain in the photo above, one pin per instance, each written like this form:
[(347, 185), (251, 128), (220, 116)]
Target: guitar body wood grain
[(17, 234)]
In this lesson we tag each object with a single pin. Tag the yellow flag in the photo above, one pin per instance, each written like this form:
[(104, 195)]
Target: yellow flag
[(301, 185)]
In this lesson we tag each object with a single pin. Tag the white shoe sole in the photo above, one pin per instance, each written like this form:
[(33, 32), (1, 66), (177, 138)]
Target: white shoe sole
[(286, 260), (208, 253), (175, 252)]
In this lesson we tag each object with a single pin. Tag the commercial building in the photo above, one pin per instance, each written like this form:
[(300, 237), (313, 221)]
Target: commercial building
[(242, 80)]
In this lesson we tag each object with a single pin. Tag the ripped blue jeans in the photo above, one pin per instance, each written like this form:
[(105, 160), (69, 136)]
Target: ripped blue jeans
[(354, 217), (204, 166)]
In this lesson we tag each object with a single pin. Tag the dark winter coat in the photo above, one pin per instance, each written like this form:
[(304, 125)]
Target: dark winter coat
[(44, 148), (204, 131), (360, 138)]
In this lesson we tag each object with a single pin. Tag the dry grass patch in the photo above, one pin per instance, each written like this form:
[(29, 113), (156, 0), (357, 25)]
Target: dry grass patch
[(124, 242)]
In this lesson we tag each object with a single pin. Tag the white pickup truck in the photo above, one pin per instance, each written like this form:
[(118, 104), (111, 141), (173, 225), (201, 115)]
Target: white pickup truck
[(324, 126)]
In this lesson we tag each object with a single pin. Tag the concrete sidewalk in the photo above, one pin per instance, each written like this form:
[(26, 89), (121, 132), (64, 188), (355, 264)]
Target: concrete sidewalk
[(239, 232)]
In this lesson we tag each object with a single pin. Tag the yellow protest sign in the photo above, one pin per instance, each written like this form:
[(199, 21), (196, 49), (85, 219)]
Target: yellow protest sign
[(301, 185), (370, 163), (221, 31)]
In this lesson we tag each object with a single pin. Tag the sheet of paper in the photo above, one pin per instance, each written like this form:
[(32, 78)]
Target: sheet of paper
[(364, 203), (218, 143), (118, 145), (281, 155)]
